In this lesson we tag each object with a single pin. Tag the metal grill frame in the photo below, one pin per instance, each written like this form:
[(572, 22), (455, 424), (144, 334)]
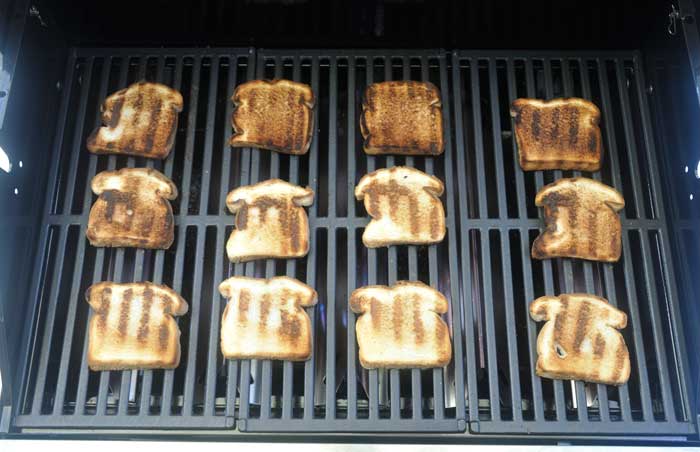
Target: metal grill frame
[(468, 415)]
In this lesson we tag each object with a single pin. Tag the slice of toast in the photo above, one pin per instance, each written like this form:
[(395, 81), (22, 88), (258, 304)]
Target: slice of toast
[(557, 134), (405, 207), (400, 326), (265, 319), (132, 209), (581, 221), (270, 221), (133, 327), (402, 117), (273, 114), (139, 120), (580, 340)]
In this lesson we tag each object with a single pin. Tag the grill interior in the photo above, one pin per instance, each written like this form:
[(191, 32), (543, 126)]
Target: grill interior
[(483, 266)]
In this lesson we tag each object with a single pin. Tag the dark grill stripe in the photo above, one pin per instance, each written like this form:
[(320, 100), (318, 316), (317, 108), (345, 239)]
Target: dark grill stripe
[(124, 312)]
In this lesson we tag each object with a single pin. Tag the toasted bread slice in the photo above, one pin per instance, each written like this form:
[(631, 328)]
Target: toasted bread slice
[(400, 326), (270, 221), (265, 319), (139, 120), (402, 117), (405, 207), (133, 326), (580, 340), (273, 114), (132, 209), (581, 221), (557, 134)]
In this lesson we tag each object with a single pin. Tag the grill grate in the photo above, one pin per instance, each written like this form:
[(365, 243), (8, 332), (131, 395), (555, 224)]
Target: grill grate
[(483, 266)]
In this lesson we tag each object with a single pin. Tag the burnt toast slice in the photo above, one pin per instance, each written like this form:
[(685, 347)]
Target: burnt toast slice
[(400, 326), (133, 327), (558, 134), (581, 221), (580, 339), (265, 318), (132, 209), (140, 120), (273, 114), (402, 117), (405, 207)]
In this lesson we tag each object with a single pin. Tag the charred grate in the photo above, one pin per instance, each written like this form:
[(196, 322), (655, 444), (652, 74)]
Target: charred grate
[(483, 266)]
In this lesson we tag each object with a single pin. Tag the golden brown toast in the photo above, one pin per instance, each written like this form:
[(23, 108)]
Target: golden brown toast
[(405, 207), (402, 117), (580, 340), (581, 221), (273, 114), (265, 319), (132, 209), (270, 221), (400, 326), (557, 134), (133, 326), (139, 120)]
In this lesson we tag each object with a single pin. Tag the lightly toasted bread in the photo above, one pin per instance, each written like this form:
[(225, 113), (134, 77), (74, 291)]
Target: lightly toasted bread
[(405, 207), (273, 114), (140, 120), (581, 221), (557, 134), (133, 326), (270, 221), (580, 340), (132, 209), (400, 326), (265, 319), (402, 117)]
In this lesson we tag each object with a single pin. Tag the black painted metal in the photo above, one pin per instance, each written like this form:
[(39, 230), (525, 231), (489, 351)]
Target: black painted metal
[(483, 266)]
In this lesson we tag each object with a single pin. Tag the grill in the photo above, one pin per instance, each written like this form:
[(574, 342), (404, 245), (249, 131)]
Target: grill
[(483, 266)]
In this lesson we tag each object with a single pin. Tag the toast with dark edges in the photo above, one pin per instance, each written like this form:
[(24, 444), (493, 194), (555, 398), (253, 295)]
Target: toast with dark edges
[(273, 114), (557, 134), (403, 118)]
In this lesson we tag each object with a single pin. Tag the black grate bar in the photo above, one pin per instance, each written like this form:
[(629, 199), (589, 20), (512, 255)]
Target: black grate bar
[(352, 116), (505, 247), (452, 241), (646, 407), (523, 238), (310, 365), (460, 136)]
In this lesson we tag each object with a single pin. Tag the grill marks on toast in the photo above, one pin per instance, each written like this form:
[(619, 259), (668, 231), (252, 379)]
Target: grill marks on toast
[(557, 134), (404, 205), (265, 319), (273, 114), (140, 120), (581, 221), (132, 209), (402, 117), (132, 327), (583, 342), (400, 326), (270, 221)]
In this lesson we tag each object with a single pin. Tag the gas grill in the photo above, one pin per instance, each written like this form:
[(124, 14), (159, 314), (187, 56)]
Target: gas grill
[(489, 391)]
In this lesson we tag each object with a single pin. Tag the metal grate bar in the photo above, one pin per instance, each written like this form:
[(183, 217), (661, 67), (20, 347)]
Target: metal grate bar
[(460, 134), (646, 408), (310, 365), (352, 117), (505, 248)]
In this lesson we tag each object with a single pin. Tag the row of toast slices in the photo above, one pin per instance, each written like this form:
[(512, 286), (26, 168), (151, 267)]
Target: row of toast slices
[(580, 216)]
